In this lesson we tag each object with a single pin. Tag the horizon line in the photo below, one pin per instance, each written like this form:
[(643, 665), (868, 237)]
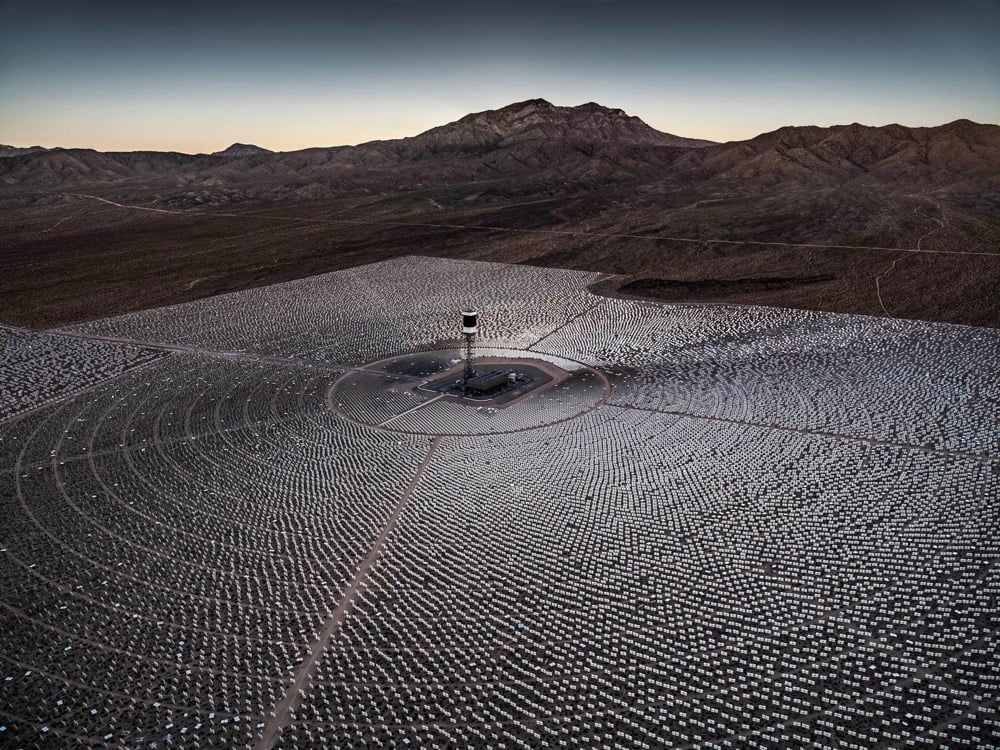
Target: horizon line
[(451, 122)]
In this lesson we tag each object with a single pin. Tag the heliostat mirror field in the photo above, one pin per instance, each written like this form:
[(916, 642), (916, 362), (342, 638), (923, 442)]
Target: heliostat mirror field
[(226, 524)]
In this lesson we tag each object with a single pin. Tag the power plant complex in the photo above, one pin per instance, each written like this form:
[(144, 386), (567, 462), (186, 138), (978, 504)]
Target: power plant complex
[(593, 522)]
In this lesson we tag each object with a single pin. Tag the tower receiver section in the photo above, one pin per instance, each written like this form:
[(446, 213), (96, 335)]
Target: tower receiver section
[(470, 327)]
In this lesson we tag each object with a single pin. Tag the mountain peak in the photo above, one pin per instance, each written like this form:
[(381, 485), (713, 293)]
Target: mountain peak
[(538, 119), (529, 103), (242, 149), (595, 107)]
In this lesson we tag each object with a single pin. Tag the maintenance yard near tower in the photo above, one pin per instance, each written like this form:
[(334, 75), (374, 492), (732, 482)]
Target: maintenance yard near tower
[(226, 524)]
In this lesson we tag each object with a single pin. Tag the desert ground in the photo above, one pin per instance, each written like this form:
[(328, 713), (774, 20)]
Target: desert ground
[(82, 258)]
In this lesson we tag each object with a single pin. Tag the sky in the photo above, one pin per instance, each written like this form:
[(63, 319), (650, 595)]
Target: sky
[(195, 77)]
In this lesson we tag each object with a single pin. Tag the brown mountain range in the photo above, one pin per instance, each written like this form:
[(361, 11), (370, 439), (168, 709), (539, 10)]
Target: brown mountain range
[(515, 141), (880, 220)]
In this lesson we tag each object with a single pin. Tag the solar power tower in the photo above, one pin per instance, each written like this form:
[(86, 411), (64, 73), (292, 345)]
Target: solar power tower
[(470, 327)]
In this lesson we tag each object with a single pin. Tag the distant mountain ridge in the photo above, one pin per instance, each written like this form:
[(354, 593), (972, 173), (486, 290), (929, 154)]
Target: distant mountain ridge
[(6, 151), (538, 148)]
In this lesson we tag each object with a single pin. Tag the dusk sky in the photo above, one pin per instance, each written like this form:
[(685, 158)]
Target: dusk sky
[(198, 76)]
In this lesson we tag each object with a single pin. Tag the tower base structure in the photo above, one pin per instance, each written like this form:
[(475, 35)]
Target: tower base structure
[(470, 327), (470, 358)]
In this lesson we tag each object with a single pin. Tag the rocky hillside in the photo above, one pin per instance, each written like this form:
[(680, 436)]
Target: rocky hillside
[(956, 152), (537, 120)]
